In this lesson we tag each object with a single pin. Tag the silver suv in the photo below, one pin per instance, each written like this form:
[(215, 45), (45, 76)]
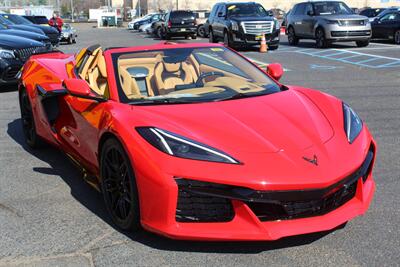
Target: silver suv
[(327, 22)]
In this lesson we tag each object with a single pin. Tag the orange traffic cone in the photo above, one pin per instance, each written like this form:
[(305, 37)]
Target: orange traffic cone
[(263, 46)]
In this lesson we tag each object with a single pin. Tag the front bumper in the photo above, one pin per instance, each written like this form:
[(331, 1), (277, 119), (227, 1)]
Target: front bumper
[(345, 34), (240, 38), (8, 70), (162, 212)]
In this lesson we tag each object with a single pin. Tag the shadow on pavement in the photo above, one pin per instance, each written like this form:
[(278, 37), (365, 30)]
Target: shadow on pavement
[(93, 201), (8, 88)]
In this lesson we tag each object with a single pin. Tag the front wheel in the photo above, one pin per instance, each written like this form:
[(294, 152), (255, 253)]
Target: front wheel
[(28, 122), (228, 40), (320, 39), (362, 43), (397, 37), (292, 38), (211, 37), (70, 40), (118, 185)]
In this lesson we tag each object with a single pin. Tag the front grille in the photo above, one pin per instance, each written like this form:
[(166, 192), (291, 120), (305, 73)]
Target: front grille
[(350, 33), (193, 207), (258, 27), (351, 22), (10, 74), (25, 53), (301, 209)]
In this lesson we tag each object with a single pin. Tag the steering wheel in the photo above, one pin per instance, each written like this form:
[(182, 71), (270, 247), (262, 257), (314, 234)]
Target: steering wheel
[(200, 82)]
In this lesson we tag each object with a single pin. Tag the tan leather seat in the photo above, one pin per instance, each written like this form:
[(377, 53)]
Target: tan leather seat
[(129, 85), (168, 75), (97, 75)]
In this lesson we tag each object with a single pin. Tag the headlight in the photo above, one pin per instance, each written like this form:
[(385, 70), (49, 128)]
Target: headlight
[(352, 123), (4, 53), (235, 26), (367, 22), (328, 21), (182, 147), (276, 24)]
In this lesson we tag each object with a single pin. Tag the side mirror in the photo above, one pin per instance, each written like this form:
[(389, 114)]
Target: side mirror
[(376, 20), (275, 70), (310, 13), (80, 88), (270, 13)]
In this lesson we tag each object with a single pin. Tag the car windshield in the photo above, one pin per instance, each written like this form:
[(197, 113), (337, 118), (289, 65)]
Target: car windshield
[(41, 20), (332, 8), (17, 19), (246, 10), (188, 75)]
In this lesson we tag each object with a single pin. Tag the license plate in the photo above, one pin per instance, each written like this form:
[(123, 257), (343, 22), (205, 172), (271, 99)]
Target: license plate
[(258, 37), (183, 30)]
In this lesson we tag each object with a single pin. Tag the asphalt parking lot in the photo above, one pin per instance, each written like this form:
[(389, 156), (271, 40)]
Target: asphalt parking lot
[(50, 217)]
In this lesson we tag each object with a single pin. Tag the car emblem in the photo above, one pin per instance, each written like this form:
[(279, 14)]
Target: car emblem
[(314, 160)]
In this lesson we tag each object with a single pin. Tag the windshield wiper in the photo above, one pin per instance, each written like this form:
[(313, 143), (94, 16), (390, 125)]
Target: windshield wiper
[(241, 95)]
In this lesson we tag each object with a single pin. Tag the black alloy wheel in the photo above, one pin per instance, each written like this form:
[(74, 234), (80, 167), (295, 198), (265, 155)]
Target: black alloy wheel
[(119, 186), (320, 39), (292, 39), (397, 37)]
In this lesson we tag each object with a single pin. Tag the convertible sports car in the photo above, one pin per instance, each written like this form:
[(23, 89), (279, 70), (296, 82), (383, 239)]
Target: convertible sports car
[(193, 141)]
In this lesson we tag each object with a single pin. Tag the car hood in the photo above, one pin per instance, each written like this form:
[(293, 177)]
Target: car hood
[(46, 29), (344, 17), (284, 121), (25, 34), (244, 19), (26, 28), (16, 42)]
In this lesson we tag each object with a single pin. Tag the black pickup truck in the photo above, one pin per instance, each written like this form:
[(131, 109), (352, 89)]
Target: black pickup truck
[(243, 24)]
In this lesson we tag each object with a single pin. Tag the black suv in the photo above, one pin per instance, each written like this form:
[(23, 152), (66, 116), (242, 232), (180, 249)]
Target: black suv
[(179, 23), (243, 24)]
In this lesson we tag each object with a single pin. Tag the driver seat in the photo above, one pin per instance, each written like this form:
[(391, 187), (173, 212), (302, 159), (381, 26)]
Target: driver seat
[(169, 75)]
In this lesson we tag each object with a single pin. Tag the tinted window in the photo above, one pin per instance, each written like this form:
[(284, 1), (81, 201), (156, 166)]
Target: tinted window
[(214, 11), (300, 9), (308, 8), (331, 8), (247, 10), (391, 17)]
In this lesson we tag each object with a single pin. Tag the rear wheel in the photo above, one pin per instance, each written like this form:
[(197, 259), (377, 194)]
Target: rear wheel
[(273, 47), (362, 43), (320, 39), (159, 33), (194, 36), (397, 37), (201, 31), (28, 122), (119, 186), (292, 38)]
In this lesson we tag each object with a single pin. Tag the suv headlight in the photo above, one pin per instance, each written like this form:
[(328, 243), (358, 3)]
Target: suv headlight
[(235, 26), (328, 21), (367, 22), (352, 123), (182, 147), (4, 53), (276, 24)]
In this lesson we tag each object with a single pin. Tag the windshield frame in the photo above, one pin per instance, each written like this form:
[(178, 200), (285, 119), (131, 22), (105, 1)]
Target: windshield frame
[(350, 11), (123, 99)]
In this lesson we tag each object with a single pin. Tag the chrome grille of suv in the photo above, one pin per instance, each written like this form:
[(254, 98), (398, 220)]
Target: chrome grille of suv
[(258, 27), (351, 22), (25, 53)]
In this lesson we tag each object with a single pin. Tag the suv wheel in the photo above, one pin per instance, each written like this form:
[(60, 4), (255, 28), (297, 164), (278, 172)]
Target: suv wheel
[(397, 37), (227, 40), (362, 43), (292, 38), (159, 33), (211, 38), (320, 38)]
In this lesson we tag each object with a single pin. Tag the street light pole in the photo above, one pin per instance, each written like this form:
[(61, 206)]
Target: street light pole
[(177, 4), (72, 10), (140, 8)]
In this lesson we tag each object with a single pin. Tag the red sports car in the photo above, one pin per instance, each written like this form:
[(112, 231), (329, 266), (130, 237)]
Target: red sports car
[(193, 141)]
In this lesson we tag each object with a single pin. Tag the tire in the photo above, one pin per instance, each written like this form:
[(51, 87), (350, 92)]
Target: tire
[(211, 37), (273, 47), (320, 39), (119, 187), (70, 40), (396, 38), (159, 33), (74, 40), (362, 43), (292, 38), (201, 31), (32, 139), (228, 40)]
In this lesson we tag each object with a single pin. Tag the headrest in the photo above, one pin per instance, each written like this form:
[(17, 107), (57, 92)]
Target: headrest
[(102, 66), (172, 67)]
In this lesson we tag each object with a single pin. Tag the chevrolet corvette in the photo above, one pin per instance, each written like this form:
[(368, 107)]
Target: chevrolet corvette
[(194, 141)]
